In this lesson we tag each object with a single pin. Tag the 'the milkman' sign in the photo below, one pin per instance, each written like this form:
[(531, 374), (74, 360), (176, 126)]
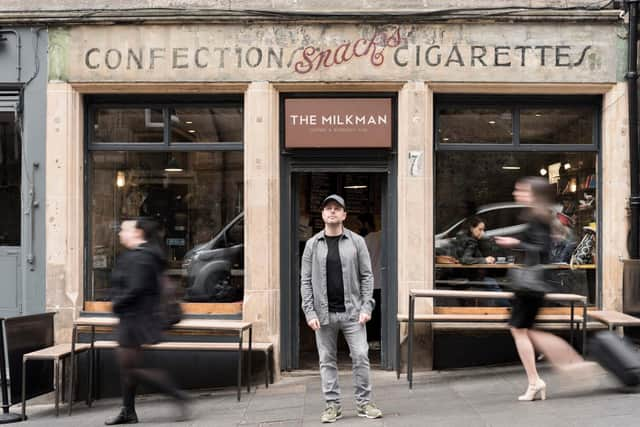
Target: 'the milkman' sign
[(338, 122)]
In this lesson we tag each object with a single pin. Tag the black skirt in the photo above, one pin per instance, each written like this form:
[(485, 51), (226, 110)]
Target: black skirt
[(524, 309)]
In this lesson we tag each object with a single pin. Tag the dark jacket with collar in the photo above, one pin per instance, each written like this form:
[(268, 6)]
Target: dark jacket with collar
[(136, 295), (357, 277), (468, 249)]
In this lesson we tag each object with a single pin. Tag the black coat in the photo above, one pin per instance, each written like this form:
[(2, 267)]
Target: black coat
[(536, 243), (468, 249), (136, 295)]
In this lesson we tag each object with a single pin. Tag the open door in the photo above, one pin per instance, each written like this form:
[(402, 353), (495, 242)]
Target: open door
[(365, 194)]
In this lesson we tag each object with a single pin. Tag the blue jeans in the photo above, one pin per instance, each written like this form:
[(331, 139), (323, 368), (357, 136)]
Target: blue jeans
[(327, 341)]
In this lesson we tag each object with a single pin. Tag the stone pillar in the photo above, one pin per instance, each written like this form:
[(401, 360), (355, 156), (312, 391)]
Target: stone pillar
[(415, 206), (615, 189), (262, 215), (64, 206)]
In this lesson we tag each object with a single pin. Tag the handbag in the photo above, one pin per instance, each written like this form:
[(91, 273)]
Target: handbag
[(529, 279), (583, 253)]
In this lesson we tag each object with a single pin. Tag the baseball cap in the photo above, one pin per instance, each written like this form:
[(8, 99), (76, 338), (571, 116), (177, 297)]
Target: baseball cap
[(339, 200)]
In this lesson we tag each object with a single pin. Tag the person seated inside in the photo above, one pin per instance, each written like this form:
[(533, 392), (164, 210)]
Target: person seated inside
[(470, 244)]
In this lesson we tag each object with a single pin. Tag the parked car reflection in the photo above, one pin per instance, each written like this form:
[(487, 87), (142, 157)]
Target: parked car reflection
[(214, 269)]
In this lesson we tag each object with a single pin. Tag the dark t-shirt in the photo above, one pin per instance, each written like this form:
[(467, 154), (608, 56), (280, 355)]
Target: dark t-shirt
[(335, 286)]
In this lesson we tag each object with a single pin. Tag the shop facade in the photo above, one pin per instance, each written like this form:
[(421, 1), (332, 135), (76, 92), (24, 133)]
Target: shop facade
[(194, 124), (23, 81)]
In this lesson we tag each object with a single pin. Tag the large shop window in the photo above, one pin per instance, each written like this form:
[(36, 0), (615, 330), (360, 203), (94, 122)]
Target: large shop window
[(180, 163), (483, 146)]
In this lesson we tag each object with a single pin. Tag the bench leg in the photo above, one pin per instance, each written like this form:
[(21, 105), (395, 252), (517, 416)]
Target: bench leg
[(412, 304), (571, 325), (398, 354), (249, 356), (239, 385), (91, 361), (24, 389), (74, 337), (584, 329), (56, 382)]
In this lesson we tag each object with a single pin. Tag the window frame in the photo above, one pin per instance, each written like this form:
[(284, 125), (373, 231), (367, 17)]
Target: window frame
[(160, 103), (164, 102), (517, 102)]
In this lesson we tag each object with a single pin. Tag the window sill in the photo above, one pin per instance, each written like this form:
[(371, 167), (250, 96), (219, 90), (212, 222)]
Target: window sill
[(187, 308)]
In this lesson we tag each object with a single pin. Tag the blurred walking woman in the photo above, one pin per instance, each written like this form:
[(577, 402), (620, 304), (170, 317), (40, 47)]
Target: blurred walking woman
[(136, 301), (536, 243)]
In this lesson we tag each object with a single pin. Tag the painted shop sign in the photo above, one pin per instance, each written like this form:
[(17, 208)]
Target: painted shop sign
[(338, 123), (337, 52)]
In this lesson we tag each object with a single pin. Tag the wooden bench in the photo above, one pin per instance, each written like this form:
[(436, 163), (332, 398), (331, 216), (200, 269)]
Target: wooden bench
[(614, 319), (206, 326), (487, 321), (56, 354), (412, 317), (264, 347)]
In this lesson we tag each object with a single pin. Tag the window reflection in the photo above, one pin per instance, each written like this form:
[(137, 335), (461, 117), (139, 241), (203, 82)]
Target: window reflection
[(557, 125), (211, 124), (197, 199), (474, 125), (126, 125), (475, 186)]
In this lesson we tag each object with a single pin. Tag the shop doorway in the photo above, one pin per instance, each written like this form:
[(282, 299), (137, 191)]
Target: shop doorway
[(368, 214), (10, 215)]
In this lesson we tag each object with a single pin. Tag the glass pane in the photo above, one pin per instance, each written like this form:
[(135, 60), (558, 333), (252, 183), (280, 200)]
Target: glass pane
[(474, 125), (484, 191), (128, 125), (210, 124), (197, 199), (10, 176), (557, 125)]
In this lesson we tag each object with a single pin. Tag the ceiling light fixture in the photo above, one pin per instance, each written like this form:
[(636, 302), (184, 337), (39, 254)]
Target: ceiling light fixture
[(355, 187), (543, 171), (173, 166), (511, 164), (567, 166), (492, 122)]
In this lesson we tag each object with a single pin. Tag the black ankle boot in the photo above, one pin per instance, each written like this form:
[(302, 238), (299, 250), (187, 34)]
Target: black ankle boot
[(126, 416)]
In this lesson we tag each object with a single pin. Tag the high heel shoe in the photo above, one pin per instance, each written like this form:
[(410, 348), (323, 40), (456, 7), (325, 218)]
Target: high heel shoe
[(533, 390)]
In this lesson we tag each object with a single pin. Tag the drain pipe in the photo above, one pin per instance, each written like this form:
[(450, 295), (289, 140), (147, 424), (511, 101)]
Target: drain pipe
[(632, 92)]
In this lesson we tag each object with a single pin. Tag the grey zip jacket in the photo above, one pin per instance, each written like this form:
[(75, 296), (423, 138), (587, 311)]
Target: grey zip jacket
[(357, 277)]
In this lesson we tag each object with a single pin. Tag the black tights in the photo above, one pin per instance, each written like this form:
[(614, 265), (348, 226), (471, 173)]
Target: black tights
[(132, 373)]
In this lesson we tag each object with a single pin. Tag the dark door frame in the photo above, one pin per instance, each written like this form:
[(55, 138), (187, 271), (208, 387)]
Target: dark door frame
[(342, 161)]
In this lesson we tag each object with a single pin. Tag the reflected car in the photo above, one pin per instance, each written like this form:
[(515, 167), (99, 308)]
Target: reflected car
[(209, 266), (501, 219)]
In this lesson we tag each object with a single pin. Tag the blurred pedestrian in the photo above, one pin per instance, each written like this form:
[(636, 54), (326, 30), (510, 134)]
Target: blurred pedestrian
[(137, 303), (536, 243), (336, 285)]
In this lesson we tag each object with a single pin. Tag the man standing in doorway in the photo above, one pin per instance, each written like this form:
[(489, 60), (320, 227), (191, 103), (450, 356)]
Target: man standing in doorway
[(337, 295)]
